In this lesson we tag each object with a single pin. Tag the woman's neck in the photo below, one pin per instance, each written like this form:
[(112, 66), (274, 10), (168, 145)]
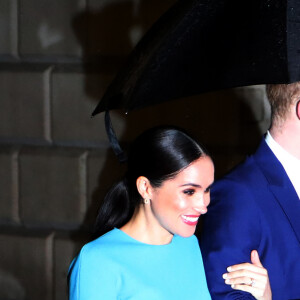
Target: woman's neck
[(145, 228)]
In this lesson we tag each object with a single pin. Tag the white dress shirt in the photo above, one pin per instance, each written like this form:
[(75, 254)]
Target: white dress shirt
[(289, 162)]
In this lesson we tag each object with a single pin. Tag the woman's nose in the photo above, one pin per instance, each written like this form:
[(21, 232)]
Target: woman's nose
[(201, 203)]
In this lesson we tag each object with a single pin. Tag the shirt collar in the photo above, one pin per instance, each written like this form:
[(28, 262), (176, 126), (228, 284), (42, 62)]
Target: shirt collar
[(290, 163)]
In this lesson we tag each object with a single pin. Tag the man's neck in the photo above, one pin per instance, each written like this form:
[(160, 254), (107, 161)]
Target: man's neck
[(287, 135)]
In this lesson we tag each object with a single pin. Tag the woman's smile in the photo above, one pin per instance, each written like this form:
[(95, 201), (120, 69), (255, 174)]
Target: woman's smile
[(191, 220)]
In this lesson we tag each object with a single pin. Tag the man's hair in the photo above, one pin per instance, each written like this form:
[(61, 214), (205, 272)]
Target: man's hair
[(281, 97)]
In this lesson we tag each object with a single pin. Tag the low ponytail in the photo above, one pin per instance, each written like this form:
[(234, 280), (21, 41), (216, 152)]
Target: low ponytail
[(116, 209)]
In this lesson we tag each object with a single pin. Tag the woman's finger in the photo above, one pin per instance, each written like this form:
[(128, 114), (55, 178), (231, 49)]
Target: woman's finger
[(246, 273), (249, 267), (256, 292), (254, 282), (255, 259)]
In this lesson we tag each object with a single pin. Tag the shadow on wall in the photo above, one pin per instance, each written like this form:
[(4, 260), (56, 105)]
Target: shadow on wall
[(229, 123), (10, 287), (111, 30)]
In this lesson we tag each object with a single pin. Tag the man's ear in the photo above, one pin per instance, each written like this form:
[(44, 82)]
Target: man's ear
[(298, 109), (144, 187)]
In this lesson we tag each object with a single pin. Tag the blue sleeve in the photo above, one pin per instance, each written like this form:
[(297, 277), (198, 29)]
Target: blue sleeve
[(91, 278), (230, 232)]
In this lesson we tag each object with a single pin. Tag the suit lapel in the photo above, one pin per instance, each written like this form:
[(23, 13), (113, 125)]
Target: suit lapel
[(280, 185), (290, 204)]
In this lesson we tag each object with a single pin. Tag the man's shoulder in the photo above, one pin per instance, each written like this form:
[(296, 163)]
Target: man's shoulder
[(250, 169), (240, 174), (244, 182)]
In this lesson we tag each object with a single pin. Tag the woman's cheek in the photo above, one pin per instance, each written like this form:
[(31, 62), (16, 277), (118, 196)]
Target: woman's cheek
[(181, 203)]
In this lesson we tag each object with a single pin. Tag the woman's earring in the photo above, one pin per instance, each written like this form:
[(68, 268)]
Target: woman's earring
[(147, 201)]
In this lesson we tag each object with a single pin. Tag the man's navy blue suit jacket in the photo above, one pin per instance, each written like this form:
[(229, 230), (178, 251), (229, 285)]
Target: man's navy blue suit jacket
[(253, 207)]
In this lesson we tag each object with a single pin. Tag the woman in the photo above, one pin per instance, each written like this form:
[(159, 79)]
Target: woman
[(147, 248)]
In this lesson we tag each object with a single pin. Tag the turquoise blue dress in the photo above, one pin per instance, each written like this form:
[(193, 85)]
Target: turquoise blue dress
[(116, 266)]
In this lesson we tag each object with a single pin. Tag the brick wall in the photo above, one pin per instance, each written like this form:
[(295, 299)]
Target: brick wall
[(56, 59)]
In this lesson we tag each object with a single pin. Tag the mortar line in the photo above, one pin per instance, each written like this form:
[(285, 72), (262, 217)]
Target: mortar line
[(47, 105), (14, 30), (49, 267), (83, 183), (15, 167)]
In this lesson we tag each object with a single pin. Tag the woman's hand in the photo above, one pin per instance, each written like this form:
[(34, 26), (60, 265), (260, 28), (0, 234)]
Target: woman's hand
[(252, 278)]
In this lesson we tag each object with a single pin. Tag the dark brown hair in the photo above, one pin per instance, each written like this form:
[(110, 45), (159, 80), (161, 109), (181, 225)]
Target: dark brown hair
[(281, 97)]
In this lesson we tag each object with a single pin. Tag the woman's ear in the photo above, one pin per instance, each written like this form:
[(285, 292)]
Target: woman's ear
[(298, 109), (144, 187)]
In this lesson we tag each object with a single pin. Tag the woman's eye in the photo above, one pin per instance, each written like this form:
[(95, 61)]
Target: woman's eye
[(207, 190), (189, 192)]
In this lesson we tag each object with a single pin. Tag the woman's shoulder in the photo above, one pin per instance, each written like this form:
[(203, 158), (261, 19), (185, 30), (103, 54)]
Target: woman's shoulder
[(93, 262), (101, 249), (108, 241)]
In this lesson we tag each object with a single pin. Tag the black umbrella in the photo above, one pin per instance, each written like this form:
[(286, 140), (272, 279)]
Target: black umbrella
[(205, 45)]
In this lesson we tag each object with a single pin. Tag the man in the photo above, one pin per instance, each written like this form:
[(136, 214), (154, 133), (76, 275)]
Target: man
[(257, 207)]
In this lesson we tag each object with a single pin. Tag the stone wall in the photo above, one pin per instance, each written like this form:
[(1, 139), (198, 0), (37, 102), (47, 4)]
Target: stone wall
[(56, 59)]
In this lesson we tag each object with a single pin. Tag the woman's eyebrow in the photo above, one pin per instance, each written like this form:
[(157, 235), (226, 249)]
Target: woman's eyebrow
[(192, 184)]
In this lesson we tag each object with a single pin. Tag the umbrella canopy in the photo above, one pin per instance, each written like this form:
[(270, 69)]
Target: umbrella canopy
[(205, 45)]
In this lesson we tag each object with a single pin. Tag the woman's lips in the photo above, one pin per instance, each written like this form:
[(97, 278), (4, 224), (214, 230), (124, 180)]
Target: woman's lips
[(190, 219)]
